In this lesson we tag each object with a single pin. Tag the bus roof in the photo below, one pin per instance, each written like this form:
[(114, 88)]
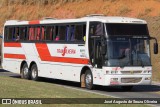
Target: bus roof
[(104, 19)]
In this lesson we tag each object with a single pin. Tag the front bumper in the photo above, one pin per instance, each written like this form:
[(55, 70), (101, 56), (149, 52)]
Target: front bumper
[(124, 80)]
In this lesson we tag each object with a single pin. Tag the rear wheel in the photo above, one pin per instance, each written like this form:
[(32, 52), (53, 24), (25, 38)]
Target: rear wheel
[(34, 72), (88, 80), (127, 88), (25, 71)]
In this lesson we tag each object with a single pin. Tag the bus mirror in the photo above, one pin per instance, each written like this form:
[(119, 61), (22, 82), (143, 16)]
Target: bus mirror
[(155, 48)]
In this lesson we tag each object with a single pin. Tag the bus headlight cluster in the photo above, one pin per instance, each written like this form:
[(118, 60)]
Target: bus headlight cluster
[(114, 79), (114, 72), (147, 71), (148, 78), (107, 72)]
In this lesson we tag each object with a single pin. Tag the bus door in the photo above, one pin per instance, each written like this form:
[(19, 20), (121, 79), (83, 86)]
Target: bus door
[(96, 37)]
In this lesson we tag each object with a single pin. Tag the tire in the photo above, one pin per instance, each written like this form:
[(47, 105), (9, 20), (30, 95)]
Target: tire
[(34, 72), (88, 80), (25, 72), (127, 88)]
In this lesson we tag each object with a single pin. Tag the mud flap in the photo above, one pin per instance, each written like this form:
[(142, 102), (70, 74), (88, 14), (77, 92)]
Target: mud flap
[(83, 81)]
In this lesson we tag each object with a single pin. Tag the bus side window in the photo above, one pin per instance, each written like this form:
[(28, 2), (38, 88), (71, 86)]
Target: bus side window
[(37, 33), (84, 33), (79, 33), (62, 32), (23, 33), (6, 33), (42, 33), (96, 29), (67, 33), (10, 33), (16, 35), (31, 33), (72, 32), (34, 33), (52, 32), (49, 33), (99, 29), (56, 36)]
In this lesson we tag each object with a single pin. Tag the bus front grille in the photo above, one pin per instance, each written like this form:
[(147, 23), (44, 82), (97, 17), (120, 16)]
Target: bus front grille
[(130, 80)]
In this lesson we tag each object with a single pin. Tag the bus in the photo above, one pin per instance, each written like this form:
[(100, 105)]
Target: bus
[(92, 50)]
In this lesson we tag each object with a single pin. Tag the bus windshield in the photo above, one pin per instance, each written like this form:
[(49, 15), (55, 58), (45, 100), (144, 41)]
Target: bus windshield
[(123, 49), (127, 29)]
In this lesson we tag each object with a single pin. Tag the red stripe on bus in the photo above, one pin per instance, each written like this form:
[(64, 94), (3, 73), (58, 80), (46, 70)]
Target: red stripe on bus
[(15, 56), (34, 22), (46, 56), (12, 44)]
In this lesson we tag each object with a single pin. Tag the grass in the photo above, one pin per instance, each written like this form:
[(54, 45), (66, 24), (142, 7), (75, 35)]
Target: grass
[(19, 88), (32, 89), (33, 10)]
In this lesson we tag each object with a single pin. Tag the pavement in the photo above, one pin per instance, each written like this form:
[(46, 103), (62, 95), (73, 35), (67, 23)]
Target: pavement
[(144, 91)]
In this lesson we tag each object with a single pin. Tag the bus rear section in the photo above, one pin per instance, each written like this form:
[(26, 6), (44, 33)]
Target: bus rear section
[(38, 52)]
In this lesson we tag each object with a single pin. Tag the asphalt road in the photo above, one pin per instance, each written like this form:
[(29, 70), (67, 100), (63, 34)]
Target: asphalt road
[(148, 91)]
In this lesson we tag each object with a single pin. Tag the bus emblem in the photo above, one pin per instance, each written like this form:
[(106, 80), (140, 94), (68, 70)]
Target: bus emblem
[(65, 51), (132, 72)]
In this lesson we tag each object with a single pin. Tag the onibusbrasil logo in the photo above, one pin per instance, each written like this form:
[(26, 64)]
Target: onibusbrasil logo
[(66, 50)]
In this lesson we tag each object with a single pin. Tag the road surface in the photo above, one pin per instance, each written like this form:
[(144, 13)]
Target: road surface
[(148, 91)]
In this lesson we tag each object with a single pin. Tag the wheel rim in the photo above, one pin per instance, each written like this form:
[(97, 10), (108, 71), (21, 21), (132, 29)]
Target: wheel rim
[(88, 79), (34, 73), (25, 70)]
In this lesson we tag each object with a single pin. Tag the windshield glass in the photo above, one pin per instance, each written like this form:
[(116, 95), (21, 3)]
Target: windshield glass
[(116, 29), (128, 52)]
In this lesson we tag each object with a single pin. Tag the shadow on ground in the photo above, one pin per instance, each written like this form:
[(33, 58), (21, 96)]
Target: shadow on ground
[(138, 88), (2, 70)]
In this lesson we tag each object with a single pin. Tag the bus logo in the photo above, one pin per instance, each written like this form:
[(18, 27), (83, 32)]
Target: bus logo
[(132, 72), (65, 51)]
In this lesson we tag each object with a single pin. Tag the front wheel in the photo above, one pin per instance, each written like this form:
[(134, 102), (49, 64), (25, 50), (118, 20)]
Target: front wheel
[(34, 72), (88, 80)]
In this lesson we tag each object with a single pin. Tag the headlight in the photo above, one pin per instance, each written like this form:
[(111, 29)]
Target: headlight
[(147, 71), (107, 72), (148, 78), (114, 79), (150, 71), (114, 72)]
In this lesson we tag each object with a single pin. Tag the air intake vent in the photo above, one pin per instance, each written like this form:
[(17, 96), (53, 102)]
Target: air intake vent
[(131, 80)]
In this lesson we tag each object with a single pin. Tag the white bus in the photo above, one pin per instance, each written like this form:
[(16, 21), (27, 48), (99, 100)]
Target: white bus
[(92, 50)]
